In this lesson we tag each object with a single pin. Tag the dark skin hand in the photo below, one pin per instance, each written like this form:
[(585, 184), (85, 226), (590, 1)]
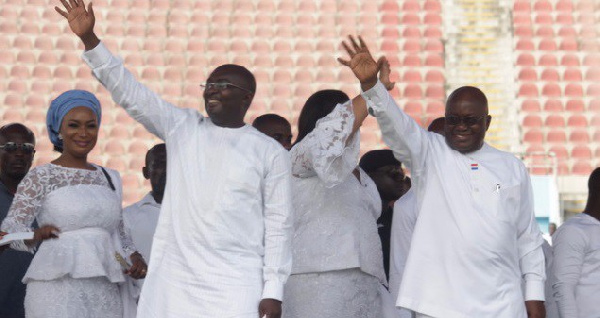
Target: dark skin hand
[(535, 309), (81, 21), (270, 308), (139, 268)]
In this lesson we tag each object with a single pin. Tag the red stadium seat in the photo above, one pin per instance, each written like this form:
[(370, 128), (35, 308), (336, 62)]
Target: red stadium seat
[(556, 137), (523, 31), (593, 74), (572, 75), (528, 75), (550, 75), (555, 121), (525, 45), (411, 60), (568, 45), (525, 59), (573, 90), (534, 136), (413, 107), (412, 76), (582, 168), (413, 91), (543, 18), (434, 60), (545, 32), (532, 121), (528, 90), (435, 76), (564, 6), (553, 106), (434, 91), (577, 121), (432, 6), (579, 137), (542, 6), (548, 60), (575, 105), (531, 106), (581, 152)]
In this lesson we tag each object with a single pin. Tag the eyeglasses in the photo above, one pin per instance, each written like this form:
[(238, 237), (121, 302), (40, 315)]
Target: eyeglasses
[(468, 121), (221, 86), (27, 148)]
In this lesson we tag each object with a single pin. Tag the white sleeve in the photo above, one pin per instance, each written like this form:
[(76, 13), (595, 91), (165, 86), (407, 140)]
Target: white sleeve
[(330, 151), (529, 240), (126, 240), (25, 207), (278, 218), (145, 106), (399, 131), (569, 245)]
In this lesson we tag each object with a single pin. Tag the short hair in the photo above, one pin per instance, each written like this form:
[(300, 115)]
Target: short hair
[(265, 119), (468, 91), (150, 153), (317, 106), (243, 72), (375, 159), (6, 129), (594, 181)]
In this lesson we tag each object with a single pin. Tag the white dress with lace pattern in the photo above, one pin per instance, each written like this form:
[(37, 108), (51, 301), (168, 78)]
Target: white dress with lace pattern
[(75, 275), (337, 269)]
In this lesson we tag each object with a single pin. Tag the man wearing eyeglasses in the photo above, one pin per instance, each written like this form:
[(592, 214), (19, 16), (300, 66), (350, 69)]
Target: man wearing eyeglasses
[(17, 144), (476, 239), (222, 246)]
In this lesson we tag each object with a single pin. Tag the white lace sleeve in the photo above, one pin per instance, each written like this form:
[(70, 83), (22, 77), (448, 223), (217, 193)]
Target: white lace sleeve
[(326, 151), (26, 206)]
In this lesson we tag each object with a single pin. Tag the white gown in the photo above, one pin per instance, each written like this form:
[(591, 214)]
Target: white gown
[(75, 275), (337, 270)]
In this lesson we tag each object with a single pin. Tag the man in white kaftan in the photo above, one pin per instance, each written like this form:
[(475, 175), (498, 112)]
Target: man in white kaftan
[(222, 247), (476, 238)]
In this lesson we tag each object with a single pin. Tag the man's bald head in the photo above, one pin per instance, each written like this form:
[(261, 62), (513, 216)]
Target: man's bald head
[(470, 93)]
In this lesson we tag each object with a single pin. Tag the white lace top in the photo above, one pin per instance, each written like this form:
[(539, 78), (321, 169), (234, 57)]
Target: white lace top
[(87, 211), (335, 223)]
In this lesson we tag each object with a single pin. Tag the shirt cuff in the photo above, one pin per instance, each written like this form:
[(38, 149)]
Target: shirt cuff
[(534, 290), (273, 290), (97, 56), (376, 97)]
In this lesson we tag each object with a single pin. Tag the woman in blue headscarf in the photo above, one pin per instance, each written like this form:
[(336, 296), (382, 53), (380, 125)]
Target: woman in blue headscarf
[(77, 206)]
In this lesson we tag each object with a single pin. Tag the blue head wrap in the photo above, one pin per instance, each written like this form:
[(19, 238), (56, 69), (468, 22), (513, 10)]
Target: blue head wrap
[(63, 104)]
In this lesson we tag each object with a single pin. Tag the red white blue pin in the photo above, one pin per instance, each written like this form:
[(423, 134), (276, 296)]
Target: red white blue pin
[(474, 166)]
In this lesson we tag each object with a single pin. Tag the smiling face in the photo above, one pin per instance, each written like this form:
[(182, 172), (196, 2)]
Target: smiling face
[(79, 130), (467, 119), (227, 107)]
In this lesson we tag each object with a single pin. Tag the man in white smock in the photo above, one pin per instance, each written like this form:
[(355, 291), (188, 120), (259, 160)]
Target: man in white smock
[(476, 238), (222, 245)]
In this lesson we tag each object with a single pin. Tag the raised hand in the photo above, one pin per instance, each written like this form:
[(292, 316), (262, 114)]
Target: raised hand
[(384, 74), (81, 21), (361, 62)]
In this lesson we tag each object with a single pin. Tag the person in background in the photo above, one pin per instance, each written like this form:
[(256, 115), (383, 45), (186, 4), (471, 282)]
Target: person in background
[(387, 173), (576, 263), (17, 148), (275, 127), (140, 219)]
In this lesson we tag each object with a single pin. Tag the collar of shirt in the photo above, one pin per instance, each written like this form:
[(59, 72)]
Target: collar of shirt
[(148, 199)]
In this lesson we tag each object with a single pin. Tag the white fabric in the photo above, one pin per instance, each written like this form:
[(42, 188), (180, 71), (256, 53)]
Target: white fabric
[(577, 267), (336, 246), (140, 220), (223, 239), (476, 236), (88, 213), (335, 221), (550, 303), (348, 293), (403, 224), (68, 297)]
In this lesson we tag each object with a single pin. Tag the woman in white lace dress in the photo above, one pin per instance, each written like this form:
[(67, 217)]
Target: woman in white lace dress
[(77, 204), (337, 270)]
